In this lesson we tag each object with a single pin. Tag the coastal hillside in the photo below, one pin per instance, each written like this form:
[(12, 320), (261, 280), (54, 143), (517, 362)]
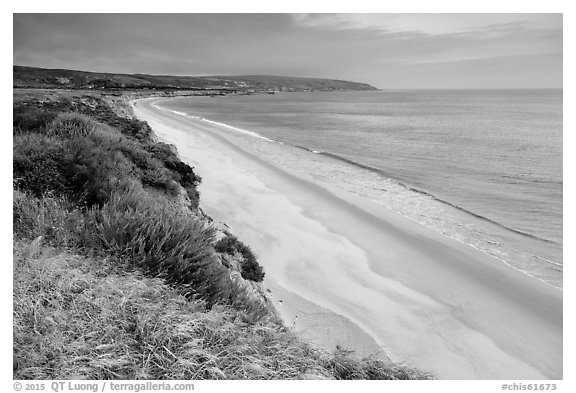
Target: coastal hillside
[(118, 274), (71, 79)]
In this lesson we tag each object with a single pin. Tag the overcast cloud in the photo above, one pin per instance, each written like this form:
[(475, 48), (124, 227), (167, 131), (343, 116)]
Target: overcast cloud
[(385, 50)]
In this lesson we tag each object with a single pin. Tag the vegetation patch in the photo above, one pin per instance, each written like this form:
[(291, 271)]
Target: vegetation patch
[(34, 111), (250, 269), (83, 184), (78, 317)]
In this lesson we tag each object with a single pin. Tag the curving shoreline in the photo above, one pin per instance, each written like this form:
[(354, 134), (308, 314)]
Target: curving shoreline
[(433, 302)]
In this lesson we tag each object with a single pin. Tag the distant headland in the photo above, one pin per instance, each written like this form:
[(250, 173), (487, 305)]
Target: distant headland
[(32, 77)]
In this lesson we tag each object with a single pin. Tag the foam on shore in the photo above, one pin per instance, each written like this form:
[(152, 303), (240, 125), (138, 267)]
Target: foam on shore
[(441, 215), (247, 132)]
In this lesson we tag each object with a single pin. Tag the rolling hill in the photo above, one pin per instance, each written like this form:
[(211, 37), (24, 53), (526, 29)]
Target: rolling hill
[(32, 77)]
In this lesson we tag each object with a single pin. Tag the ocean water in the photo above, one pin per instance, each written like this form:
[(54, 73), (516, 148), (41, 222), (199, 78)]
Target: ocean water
[(481, 166)]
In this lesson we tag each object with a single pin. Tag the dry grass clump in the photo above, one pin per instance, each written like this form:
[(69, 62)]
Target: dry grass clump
[(142, 233), (159, 239), (55, 219), (79, 318), (72, 321), (154, 236), (343, 365)]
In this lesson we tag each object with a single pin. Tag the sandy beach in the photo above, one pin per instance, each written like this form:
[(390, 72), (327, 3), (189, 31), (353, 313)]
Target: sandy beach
[(345, 271)]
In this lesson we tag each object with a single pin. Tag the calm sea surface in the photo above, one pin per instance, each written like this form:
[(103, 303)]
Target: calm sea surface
[(480, 166)]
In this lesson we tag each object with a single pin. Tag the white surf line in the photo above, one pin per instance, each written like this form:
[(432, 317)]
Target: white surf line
[(453, 237)]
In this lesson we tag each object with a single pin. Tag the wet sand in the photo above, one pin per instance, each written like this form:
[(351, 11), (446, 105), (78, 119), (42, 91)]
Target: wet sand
[(343, 270)]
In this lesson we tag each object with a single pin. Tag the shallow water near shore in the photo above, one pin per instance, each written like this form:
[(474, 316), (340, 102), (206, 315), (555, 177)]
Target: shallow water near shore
[(482, 167)]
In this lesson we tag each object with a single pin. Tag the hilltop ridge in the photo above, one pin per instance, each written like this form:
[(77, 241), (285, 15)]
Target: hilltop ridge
[(33, 77)]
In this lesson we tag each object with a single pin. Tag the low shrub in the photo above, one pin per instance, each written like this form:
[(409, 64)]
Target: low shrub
[(157, 238), (140, 233), (70, 125), (31, 119), (77, 167), (39, 164), (79, 158), (154, 236), (181, 172), (134, 128), (166, 154), (30, 114), (250, 269), (70, 116)]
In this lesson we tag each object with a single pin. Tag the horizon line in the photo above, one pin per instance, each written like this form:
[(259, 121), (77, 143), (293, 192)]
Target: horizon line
[(292, 76)]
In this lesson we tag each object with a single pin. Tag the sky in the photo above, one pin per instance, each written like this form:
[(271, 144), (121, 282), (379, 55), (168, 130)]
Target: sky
[(388, 51)]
